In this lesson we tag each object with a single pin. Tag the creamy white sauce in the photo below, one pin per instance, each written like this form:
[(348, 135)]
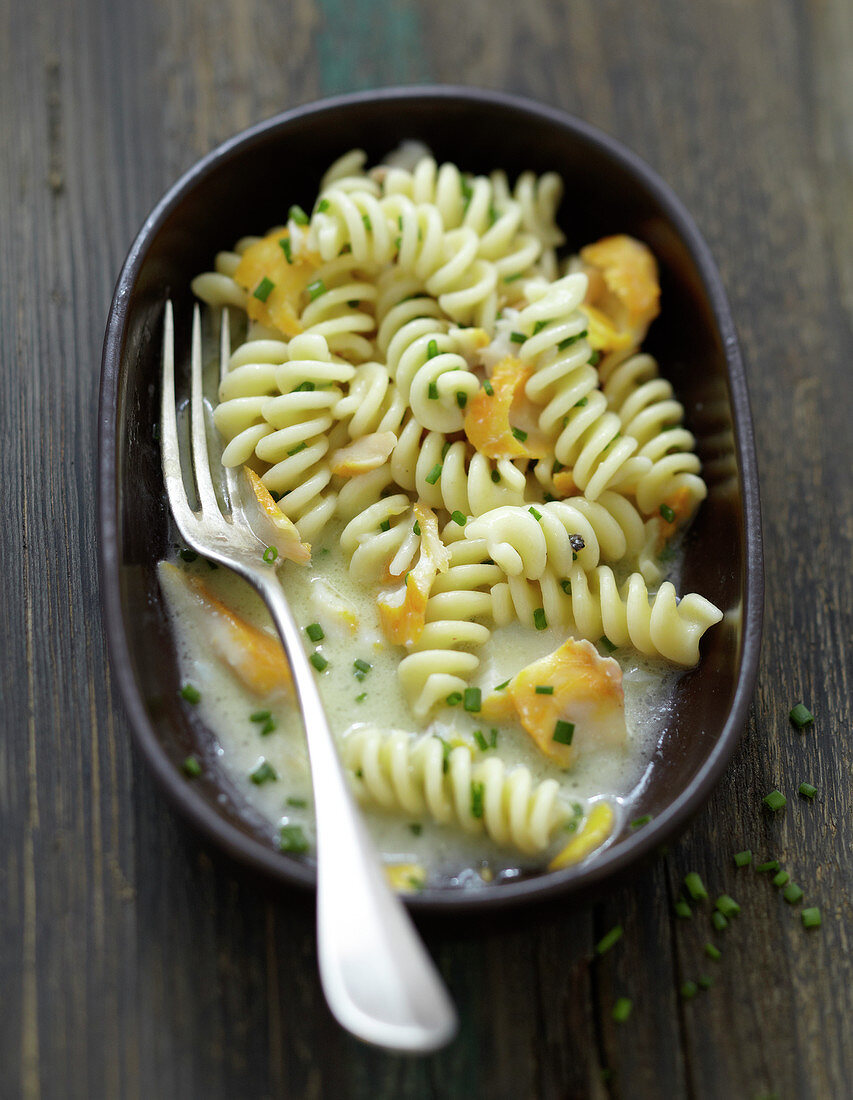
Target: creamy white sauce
[(446, 853)]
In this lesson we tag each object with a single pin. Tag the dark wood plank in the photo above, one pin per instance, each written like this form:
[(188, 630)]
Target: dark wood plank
[(133, 962)]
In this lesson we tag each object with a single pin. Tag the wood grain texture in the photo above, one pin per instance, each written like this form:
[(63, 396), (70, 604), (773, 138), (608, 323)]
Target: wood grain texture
[(133, 961)]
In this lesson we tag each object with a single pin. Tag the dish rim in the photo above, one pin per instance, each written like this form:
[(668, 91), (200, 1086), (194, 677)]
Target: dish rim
[(251, 851)]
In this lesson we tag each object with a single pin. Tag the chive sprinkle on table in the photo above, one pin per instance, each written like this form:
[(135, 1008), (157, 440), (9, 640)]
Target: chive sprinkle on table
[(135, 961)]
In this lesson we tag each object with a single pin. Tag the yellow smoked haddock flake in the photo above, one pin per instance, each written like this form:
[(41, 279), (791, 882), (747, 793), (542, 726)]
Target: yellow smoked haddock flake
[(405, 878), (586, 692), (487, 415), (593, 833), (402, 612), (365, 454), (281, 305), (278, 530), (623, 296), (254, 656)]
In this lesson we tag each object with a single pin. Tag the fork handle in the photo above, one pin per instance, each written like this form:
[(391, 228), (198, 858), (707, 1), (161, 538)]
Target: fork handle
[(378, 978)]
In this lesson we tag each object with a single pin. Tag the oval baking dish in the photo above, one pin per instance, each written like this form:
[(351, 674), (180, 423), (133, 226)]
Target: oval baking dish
[(242, 186)]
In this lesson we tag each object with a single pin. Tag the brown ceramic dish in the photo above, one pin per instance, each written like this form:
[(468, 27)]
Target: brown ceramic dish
[(245, 186)]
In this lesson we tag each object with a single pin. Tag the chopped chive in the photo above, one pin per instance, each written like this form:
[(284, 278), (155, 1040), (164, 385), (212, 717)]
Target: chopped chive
[(270, 726), (478, 791), (792, 893), (297, 803), (482, 743), (298, 215), (705, 982), (270, 554), (536, 515), (811, 918), (385, 525), (461, 399), (315, 632), (569, 340), (801, 716), (770, 865), (512, 278), (318, 661), (639, 822), (807, 790), (781, 878), (472, 700), (263, 773), (416, 828), (667, 513), (315, 289), (493, 215), (607, 941), (361, 666), (539, 620), (191, 693), (454, 699), (353, 303), (367, 223), (683, 910), (459, 518), (537, 328), (775, 800), (727, 906), (263, 289), (445, 447), (493, 738), (292, 839), (563, 732), (688, 990), (434, 474), (260, 715), (544, 689), (299, 447), (595, 359), (622, 1010), (322, 206), (398, 242), (503, 686), (191, 767), (416, 528), (566, 586), (555, 469), (519, 434), (713, 952), (496, 477), (488, 387), (304, 387), (743, 859), (719, 921), (432, 349), (360, 698), (286, 249), (695, 886), (605, 642), (188, 555), (517, 337)]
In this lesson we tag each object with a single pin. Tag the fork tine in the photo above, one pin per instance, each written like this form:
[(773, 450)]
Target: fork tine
[(170, 454), (229, 473), (210, 509)]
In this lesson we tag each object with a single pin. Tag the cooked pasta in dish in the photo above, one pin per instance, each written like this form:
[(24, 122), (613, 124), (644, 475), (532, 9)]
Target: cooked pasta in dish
[(488, 478)]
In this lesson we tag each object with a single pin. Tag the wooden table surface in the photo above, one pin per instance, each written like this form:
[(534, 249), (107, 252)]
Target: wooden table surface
[(133, 960)]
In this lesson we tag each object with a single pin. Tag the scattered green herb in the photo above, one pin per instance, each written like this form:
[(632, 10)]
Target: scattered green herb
[(563, 732), (191, 767), (292, 839), (263, 773), (318, 661), (263, 289), (607, 941), (743, 859), (775, 800), (622, 1010), (807, 790), (315, 632), (695, 886), (191, 693), (472, 700), (801, 716), (811, 918)]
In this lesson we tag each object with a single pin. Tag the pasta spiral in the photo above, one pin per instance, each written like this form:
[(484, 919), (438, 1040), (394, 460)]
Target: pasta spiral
[(397, 772), (589, 440), (277, 404), (525, 540), (650, 413), (591, 605)]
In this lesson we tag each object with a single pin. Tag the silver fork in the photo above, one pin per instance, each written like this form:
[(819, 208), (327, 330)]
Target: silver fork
[(378, 978)]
